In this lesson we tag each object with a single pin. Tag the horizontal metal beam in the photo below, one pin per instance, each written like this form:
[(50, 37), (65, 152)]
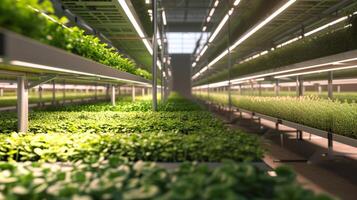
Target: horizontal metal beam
[(45, 80)]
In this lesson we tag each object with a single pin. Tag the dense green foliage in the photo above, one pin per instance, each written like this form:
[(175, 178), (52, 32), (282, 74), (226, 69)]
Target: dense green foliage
[(87, 154), (116, 179), (338, 117), (318, 46), (19, 16), (169, 135)]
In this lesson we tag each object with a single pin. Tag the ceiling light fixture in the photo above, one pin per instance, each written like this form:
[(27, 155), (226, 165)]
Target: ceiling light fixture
[(254, 29), (137, 27)]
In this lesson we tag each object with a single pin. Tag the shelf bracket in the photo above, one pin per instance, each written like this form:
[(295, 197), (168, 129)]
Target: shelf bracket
[(45, 80)]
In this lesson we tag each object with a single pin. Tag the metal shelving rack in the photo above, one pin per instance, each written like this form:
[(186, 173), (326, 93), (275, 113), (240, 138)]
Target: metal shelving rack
[(33, 63)]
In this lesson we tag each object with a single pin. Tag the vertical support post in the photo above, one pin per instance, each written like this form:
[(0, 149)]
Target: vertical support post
[(22, 104), (112, 99), (133, 93), (142, 91), (1, 92), (338, 88), (330, 85), (277, 87), (107, 91), (300, 86), (229, 68), (40, 89), (64, 92), (240, 89), (53, 92), (319, 89), (154, 58), (260, 89), (96, 92), (330, 143)]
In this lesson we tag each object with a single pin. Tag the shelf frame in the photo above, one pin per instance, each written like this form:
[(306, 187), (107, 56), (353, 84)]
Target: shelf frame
[(24, 59)]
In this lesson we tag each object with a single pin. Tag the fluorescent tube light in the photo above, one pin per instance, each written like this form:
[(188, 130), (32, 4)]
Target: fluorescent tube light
[(316, 71), (261, 24), (326, 25), (164, 17), (203, 50), (214, 61), (230, 12), (204, 28), (216, 3), (211, 12), (219, 28), (208, 18), (194, 64), (133, 21), (58, 69), (252, 31), (236, 2)]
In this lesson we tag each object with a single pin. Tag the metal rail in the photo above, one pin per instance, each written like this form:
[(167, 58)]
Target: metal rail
[(300, 127)]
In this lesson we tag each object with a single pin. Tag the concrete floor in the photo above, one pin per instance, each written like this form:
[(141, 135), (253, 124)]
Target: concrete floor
[(334, 174)]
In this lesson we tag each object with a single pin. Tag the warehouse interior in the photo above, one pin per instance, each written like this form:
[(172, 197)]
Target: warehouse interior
[(178, 99)]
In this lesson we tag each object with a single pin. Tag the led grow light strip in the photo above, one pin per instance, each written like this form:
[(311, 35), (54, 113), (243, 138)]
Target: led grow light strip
[(254, 30), (164, 17), (133, 21), (57, 69), (316, 71), (293, 70), (326, 26), (226, 83), (261, 24), (219, 27)]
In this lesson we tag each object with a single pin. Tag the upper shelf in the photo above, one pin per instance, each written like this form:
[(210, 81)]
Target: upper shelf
[(22, 55), (109, 18), (336, 63)]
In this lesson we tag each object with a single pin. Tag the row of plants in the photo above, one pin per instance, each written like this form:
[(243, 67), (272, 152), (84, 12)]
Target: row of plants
[(350, 97), (338, 117), (168, 135), (92, 152), (21, 17), (325, 44), (115, 178)]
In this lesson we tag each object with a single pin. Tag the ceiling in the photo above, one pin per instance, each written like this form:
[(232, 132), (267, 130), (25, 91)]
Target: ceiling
[(303, 13), (185, 15)]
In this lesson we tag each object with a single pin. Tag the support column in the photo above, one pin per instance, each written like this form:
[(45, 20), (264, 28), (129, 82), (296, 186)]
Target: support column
[(330, 85), (260, 89), (107, 91), (319, 89), (277, 87), (338, 88), (300, 86), (1, 92), (133, 93), (142, 91), (53, 93), (112, 95), (154, 57), (96, 91), (64, 91), (22, 104), (40, 100), (240, 89)]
